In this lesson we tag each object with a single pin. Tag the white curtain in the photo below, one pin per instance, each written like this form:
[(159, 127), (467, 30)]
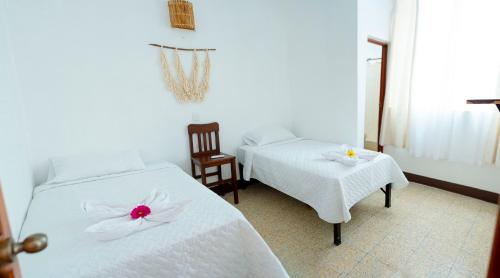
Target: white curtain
[(441, 54)]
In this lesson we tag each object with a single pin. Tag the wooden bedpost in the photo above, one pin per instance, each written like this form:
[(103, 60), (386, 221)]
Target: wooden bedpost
[(388, 189), (337, 237)]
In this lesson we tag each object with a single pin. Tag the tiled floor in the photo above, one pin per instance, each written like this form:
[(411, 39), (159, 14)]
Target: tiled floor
[(426, 233), (371, 146)]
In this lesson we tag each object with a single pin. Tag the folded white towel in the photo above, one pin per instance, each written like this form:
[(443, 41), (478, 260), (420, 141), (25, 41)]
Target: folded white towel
[(119, 220), (350, 156)]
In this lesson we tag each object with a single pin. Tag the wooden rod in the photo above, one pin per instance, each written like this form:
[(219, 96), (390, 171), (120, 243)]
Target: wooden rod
[(183, 49)]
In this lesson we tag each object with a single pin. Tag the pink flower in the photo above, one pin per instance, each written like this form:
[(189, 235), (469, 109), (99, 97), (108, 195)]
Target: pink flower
[(140, 212)]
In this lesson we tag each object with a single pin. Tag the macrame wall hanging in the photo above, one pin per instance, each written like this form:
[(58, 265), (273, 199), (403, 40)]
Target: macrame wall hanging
[(186, 89)]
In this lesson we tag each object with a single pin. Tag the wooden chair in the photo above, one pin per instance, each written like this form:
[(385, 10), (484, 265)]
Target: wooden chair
[(206, 136)]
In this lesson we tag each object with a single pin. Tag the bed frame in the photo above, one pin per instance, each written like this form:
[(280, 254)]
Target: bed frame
[(337, 233)]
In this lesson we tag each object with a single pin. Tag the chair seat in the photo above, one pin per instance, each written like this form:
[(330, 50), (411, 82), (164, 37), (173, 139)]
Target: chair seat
[(205, 160)]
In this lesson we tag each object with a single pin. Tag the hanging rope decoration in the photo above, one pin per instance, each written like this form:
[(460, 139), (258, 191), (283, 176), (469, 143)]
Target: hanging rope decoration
[(186, 89)]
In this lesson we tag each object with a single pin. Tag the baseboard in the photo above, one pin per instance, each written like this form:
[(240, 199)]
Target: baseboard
[(454, 187)]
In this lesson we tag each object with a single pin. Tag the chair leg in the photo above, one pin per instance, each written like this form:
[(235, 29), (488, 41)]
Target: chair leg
[(193, 169), (234, 182), (219, 172), (203, 175)]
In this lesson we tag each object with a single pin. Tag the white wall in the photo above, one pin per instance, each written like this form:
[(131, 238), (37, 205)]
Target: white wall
[(15, 173), (91, 82), (374, 20), (322, 72), (482, 177), (327, 55)]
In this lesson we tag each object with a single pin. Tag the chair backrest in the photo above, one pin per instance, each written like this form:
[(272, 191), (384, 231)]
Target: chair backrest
[(206, 136)]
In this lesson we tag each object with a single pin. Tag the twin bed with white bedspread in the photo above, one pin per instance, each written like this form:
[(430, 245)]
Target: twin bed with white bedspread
[(297, 168), (210, 238)]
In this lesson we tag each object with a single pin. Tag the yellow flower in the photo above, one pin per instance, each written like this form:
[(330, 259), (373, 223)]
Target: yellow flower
[(351, 153)]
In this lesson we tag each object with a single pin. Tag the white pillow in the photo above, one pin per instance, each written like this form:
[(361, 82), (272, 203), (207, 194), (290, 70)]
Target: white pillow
[(267, 135), (90, 165)]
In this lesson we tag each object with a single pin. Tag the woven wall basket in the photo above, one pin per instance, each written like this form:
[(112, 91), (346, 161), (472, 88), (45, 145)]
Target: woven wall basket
[(181, 14)]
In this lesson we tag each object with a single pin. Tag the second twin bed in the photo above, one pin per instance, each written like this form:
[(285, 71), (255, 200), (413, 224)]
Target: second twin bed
[(298, 168)]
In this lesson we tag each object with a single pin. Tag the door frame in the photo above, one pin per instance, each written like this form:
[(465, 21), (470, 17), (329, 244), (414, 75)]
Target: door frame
[(383, 83), (494, 268), (10, 270)]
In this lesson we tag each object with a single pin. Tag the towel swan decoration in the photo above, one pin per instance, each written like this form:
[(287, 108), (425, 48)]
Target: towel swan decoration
[(117, 220)]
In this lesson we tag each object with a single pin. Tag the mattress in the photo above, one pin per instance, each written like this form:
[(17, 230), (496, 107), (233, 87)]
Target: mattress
[(297, 168), (210, 238)]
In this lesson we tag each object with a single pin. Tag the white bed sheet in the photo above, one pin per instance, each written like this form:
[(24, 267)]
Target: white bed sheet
[(209, 239), (298, 169)]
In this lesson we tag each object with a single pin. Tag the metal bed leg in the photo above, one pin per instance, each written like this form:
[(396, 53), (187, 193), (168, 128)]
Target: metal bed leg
[(388, 189), (242, 184), (336, 234)]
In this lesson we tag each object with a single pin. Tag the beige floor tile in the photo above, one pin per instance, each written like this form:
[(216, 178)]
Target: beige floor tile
[(429, 212), (365, 239), (392, 217), (408, 236), (439, 250), (487, 216), (411, 200), (426, 233), (324, 273), (476, 241), (358, 209), (471, 263), (458, 272), (451, 228), (357, 220), (373, 203), (437, 201), (414, 190), (418, 266), (301, 268), (469, 211), (413, 228), (416, 187), (340, 259), (489, 208), (370, 266), (392, 252), (486, 221), (482, 252), (378, 223)]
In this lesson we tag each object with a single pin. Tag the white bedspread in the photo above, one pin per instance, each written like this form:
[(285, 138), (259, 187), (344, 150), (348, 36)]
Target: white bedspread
[(297, 168), (210, 239)]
